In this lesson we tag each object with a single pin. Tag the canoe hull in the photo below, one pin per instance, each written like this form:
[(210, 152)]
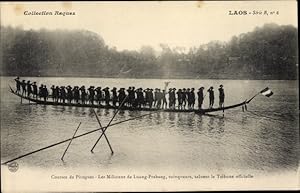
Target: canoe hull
[(197, 111)]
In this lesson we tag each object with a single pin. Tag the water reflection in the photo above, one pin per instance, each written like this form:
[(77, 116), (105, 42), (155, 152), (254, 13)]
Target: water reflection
[(107, 112), (199, 124), (191, 121), (63, 108), (158, 119), (171, 116), (244, 120), (221, 125), (77, 112), (121, 114), (180, 120), (171, 119), (148, 119), (91, 112), (273, 126), (216, 129)]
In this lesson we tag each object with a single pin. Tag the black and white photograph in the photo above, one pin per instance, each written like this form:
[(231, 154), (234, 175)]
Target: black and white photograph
[(149, 96)]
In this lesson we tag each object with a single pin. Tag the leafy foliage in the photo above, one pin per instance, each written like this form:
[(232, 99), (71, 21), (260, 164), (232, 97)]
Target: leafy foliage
[(268, 52)]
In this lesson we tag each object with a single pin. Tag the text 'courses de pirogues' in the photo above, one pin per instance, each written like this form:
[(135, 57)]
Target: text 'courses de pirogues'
[(150, 177)]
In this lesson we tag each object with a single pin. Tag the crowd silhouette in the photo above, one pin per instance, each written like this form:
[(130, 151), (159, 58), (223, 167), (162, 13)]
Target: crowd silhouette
[(183, 98)]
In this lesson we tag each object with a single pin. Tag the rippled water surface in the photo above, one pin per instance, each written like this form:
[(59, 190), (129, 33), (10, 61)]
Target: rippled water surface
[(264, 139)]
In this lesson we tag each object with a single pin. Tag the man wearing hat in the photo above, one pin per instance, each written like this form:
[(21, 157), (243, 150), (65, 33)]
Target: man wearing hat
[(188, 97), (132, 96), (29, 90), (62, 94), (170, 97), (53, 92), (122, 96), (200, 97), (91, 94), (114, 96), (151, 98), (18, 84), (23, 84), (211, 96), (184, 97), (221, 96), (155, 97), (127, 102), (179, 98), (83, 94), (57, 93), (173, 93), (158, 98), (98, 95), (76, 94), (106, 95), (146, 98), (45, 92), (40, 91), (35, 92), (69, 94), (193, 98)]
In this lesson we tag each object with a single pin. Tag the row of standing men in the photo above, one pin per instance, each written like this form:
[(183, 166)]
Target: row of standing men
[(131, 97)]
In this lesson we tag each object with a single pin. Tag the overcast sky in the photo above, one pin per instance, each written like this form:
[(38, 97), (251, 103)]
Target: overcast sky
[(129, 25)]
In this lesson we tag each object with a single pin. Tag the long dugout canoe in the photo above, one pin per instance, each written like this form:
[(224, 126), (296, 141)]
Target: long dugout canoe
[(198, 111)]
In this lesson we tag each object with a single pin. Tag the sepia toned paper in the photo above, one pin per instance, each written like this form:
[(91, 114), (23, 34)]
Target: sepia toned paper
[(145, 159)]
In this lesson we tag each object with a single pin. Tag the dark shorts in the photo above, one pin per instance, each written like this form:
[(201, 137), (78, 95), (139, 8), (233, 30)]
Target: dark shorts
[(221, 99)]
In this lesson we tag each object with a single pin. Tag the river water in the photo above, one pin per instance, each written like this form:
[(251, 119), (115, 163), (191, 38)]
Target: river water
[(264, 139)]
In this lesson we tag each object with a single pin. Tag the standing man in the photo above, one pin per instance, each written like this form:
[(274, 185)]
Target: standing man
[(83, 94), (76, 94), (155, 97), (114, 96), (63, 94), (200, 97), (18, 85), (29, 89), (184, 97), (45, 93), (91, 94), (35, 90), (158, 99), (106, 96), (41, 91), (151, 98), (173, 98), (221, 96), (164, 99), (121, 96), (170, 98), (211, 97), (179, 98), (189, 99), (57, 94), (23, 84), (53, 93), (192, 95), (69, 94), (99, 94)]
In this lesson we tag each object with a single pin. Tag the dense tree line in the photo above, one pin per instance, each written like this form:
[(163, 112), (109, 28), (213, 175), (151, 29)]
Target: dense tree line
[(268, 52)]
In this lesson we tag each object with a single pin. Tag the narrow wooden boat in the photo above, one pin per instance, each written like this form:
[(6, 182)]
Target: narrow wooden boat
[(198, 111)]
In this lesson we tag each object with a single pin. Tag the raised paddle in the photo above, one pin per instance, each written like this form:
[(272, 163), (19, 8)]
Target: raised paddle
[(103, 132), (81, 135), (62, 158), (109, 122)]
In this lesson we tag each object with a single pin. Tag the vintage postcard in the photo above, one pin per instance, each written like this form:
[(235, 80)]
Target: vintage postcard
[(149, 96)]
